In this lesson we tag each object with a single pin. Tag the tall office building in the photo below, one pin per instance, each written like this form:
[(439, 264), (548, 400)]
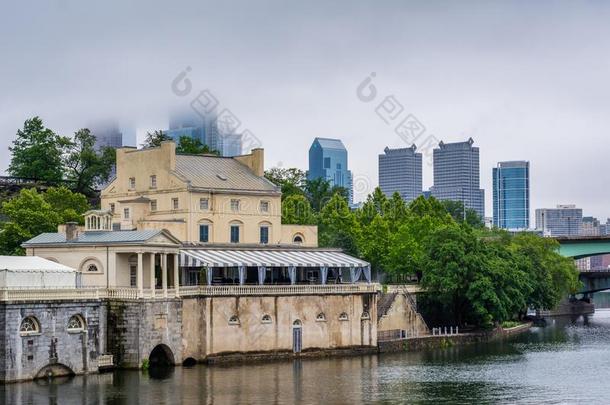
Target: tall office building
[(400, 170), (205, 129), (107, 134), (565, 220), (328, 160), (456, 175), (511, 195)]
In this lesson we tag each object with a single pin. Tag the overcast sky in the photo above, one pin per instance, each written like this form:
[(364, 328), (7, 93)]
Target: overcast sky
[(527, 81)]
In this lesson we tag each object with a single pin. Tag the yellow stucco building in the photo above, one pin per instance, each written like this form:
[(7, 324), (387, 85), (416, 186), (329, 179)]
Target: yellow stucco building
[(203, 199)]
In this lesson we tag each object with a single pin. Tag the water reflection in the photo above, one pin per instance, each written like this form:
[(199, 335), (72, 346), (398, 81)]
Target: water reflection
[(562, 363)]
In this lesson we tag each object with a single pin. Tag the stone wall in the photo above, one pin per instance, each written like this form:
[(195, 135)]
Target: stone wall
[(402, 315), (265, 324), (53, 350), (136, 327)]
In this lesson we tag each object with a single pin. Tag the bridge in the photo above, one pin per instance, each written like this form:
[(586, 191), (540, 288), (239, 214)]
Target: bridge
[(579, 247)]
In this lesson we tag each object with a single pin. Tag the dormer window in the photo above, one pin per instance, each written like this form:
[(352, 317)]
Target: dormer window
[(98, 220)]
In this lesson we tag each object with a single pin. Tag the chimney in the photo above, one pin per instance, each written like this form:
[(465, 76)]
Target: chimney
[(71, 231), (255, 161)]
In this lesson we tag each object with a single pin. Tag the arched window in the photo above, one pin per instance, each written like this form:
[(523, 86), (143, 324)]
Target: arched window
[(234, 320), (297, 323), (297, 238), (343, 317), (29, 326), (365, 315), (321, 317), (76, 323), (266, 319), (92, 268)]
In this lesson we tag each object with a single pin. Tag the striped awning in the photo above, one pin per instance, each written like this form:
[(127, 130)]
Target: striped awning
[(267, 258)]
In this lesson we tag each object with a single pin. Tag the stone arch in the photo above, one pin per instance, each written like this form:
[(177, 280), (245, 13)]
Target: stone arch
[(298, 238), (161, 356), (84, 265), (54, 370), (189, 362)]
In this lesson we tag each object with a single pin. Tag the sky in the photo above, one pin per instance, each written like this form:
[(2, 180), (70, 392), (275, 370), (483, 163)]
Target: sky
[(526, 80)]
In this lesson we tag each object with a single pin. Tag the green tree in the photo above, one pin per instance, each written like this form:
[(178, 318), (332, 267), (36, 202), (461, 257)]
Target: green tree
[(192, 146), (375, 204), (375, 243), (319, 192), (31, 213), (37, 152), (460, 214), (85, 167), (291, 180), (154, 139), (554, 276), (297, 210), (338, 227)]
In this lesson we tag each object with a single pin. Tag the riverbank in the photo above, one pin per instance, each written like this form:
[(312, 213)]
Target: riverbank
[(430, 342)]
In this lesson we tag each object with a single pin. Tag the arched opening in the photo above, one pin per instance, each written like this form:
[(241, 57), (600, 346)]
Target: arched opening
[(297, 336), (297, 238), (161, 357), (189, 362), (54, 370)]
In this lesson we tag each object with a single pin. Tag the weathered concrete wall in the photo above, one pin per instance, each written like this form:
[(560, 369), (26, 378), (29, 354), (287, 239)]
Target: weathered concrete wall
[(136, 327), (401, 315), (54, 349), (208, 331)]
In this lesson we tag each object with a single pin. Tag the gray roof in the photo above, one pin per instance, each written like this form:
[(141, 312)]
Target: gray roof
[(99, 237), (220, 173), (329, 143)]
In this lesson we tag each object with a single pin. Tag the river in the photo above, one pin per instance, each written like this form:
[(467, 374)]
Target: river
[(565, 362)]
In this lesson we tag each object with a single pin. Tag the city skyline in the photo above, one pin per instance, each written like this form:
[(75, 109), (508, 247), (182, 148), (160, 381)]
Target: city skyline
[(477, 77)]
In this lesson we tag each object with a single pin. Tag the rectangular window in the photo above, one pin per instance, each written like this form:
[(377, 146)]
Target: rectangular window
[(126, 213), (234, 233), (264, 206), (112, 207), (264, 234), (132, 276), (327, 163), (132, 183), (153, 205), (204, 204), (234, 205), (175, 204), (204, 233), (153, 181)]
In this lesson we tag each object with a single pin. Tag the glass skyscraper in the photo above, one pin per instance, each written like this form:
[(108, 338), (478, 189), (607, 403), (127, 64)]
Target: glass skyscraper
[(511, 195), (328, 160), (457, 176), (205, 129), (400, 170)]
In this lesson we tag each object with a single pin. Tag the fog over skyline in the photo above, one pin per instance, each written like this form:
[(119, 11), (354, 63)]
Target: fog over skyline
[(527, 81)]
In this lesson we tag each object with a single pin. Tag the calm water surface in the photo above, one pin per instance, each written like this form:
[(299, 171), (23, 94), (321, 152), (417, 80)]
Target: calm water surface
[(566, 362)]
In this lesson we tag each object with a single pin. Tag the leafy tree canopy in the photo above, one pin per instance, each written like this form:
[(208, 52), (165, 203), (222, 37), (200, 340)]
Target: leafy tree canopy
[(37, 153), (188, 145)]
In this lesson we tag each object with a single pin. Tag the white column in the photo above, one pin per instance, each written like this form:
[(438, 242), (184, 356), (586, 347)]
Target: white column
[(140, 276), (164, 273), (242, 275), (152, 275), (176, 275)]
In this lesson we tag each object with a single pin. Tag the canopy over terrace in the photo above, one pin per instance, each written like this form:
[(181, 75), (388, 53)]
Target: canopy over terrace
[(309, 265)]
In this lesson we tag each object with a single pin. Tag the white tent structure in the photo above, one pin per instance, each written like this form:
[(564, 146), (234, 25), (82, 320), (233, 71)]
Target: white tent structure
[(34, 272)]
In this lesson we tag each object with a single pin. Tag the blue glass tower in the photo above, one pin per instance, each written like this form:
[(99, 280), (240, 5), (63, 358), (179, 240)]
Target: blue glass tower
[(511, 195), (328, 160)]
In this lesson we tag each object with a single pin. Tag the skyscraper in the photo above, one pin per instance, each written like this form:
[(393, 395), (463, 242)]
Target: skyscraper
[(511, 195), (456, 175), (107, 133), (205, 129), (565, 220), (328, 160), (400, 170)]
